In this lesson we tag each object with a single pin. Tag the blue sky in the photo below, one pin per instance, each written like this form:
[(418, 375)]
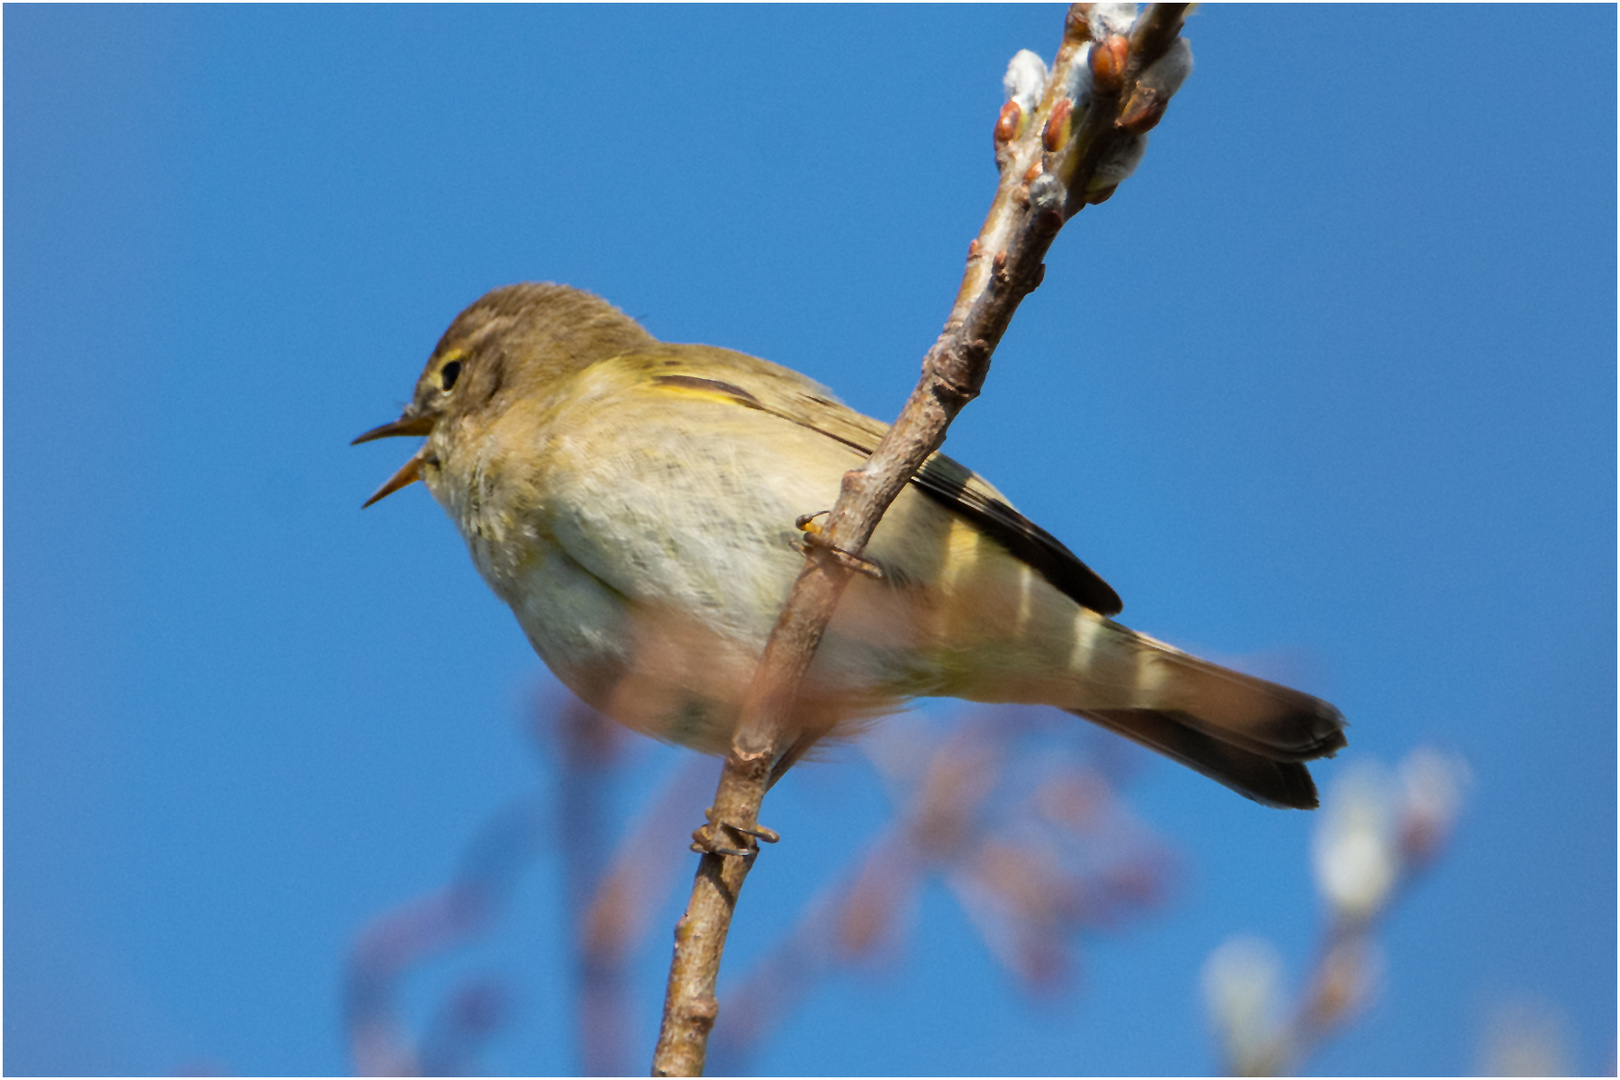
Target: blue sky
[(1327, 388)]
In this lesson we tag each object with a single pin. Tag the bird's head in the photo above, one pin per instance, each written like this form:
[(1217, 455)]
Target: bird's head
[(512, 343)]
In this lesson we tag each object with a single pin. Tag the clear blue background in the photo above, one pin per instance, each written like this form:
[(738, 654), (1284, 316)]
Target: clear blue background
[(1332, 378)]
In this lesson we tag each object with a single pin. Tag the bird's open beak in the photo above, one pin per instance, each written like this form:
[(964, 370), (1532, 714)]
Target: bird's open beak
[(405, 425), (411, 471)]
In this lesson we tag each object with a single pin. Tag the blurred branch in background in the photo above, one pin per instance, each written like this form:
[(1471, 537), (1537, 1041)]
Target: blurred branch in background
[(401, 939), (1377, 834), (609, 901), (612, 900), (588, 749), (1036, 847), (1014, 811)]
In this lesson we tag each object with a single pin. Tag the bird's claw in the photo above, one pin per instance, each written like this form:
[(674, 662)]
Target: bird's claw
[(705, 841), (815, 537)]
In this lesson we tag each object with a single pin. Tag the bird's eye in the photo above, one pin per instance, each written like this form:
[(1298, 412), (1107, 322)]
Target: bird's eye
[(449, 374)]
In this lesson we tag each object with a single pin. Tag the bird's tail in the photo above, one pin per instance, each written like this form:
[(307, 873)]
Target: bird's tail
[(1274, 781), (1252, 735)]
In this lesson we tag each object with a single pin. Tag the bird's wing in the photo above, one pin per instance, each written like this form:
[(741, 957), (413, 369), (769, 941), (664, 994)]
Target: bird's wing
[(782, 392)]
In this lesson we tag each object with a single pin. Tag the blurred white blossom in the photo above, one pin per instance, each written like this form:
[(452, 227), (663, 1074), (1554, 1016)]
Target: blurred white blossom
[(1243, 992), (1432, 787), (1376, 829), (1354, 851), (1526, 1038)]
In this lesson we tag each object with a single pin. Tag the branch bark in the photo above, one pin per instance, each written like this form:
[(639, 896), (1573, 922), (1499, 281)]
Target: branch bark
[(1072, 147)]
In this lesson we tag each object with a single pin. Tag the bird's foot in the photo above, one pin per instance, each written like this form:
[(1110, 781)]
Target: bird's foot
[(815, 537), (707, 839)]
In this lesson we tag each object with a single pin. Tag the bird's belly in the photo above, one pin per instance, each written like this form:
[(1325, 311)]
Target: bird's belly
[(675, 663)]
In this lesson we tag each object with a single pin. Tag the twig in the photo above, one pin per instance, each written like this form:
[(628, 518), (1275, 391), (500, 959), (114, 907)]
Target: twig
[(1051, 161)]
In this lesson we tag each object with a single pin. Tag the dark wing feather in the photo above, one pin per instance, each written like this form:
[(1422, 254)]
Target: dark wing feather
[(952, 483)]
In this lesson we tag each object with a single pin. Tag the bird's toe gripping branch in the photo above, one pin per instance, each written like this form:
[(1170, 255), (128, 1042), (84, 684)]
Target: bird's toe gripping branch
[(706, 840), (815, 537)]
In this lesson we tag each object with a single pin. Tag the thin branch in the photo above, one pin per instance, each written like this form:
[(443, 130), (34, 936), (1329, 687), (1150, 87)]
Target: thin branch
[(1064, 153)]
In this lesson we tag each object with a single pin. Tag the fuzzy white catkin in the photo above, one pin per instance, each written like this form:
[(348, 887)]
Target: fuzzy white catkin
[(1045, 192), (1078, 84), (1025, 79), (1111, 19), (1121, 161), (1166, 74)]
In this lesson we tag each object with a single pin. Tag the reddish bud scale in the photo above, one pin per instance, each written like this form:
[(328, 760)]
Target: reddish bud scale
[(1108, 64), (1007, 122), (1056, 132), (1032, 172), (1143, 113), (973, 248)]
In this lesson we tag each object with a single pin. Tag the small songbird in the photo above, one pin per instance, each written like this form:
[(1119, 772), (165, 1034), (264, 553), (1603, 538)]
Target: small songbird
[(635, 503)]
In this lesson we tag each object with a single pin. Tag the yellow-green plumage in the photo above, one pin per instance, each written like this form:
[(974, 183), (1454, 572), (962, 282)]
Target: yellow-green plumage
[(634, 503)]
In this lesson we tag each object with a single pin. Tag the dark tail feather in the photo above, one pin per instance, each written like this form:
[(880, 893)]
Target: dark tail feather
[(1271, 779), (1240, 710)]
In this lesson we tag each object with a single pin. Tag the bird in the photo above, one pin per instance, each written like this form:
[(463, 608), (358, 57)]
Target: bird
[(637, 505)]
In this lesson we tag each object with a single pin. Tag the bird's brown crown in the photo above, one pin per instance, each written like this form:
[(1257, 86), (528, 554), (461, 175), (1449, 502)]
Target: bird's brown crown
[(517, 341)]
